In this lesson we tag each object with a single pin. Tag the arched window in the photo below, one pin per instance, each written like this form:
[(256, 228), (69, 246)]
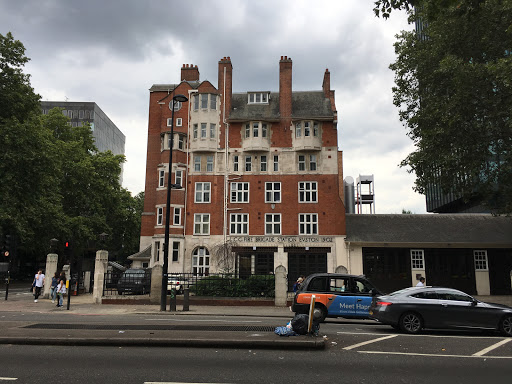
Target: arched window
[(201, 261)]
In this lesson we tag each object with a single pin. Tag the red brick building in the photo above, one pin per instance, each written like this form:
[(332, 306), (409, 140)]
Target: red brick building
[(261, 174)]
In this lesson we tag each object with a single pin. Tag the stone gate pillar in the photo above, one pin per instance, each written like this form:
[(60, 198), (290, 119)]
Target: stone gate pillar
[(51, 267), (99, 275), (156, 284), (281, 288)]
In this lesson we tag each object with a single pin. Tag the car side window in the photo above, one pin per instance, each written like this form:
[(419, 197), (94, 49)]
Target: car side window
[(425, 295), (338, 285), (453, 296), (318, 284), (362, 286)]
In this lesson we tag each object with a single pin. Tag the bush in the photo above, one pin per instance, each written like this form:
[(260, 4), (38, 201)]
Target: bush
[(230, 286)]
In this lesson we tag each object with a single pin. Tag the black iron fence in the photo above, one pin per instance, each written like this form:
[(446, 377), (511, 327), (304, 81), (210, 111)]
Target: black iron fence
[(223, 285), (131, 281)]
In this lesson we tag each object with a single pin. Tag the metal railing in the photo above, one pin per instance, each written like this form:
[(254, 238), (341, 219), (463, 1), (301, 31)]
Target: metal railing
[(223, 285), (118, 282)]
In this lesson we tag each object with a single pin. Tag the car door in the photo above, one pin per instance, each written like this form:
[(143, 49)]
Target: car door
[(362, 296), (342, 300), (460, 310)]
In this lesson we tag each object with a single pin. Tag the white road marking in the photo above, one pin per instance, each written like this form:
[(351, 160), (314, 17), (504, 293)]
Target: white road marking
[(175, 382), (422, 335), (369, 342), (8, 378), (489, 349), (218, 321), (433, 355)]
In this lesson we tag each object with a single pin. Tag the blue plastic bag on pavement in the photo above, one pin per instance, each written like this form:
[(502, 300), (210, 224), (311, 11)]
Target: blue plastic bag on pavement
[(285, 331)]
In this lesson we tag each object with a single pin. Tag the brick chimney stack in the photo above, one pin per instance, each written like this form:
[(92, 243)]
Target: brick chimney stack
[(285, 87), (225, 84), (189, 72), (326, 86)]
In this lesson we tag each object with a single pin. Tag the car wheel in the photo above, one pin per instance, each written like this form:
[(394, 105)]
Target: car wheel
[(319, 314), (506, 325), (411, 322)]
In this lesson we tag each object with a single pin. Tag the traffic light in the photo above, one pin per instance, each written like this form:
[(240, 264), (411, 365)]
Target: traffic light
[(7, 243)]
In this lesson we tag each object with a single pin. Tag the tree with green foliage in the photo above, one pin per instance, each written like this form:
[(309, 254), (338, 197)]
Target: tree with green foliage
[(454, 91), (54, 182)]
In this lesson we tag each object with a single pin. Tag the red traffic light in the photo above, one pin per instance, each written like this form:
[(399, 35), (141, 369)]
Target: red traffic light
[(67, 244)]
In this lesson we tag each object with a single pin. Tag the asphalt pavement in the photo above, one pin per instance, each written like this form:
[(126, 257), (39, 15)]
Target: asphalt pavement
[(74, 326)]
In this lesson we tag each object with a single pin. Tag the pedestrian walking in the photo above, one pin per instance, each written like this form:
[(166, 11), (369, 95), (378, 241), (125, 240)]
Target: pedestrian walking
[(61, 290), (38, 284), (53, 288), (297, 284)]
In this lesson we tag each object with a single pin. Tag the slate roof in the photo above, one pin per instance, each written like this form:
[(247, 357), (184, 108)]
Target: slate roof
[(309, 104), (440, 229), (170, 87), (143, 255)]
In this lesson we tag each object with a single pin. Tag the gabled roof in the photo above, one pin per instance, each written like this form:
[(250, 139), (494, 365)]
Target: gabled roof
[(144, 255), (310, 104), (452, 230)]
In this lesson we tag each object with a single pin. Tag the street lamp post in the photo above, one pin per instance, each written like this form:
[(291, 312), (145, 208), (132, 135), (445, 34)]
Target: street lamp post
[(163, 301)]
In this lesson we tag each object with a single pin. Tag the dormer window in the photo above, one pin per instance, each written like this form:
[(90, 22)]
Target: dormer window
[(257, 97)]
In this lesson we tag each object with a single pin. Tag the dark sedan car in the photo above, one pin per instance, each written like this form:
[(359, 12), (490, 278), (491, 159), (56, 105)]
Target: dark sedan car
[(137, 281), (413, 309)]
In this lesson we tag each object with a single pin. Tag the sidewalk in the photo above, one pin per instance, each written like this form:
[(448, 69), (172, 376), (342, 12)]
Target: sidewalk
[(162, 334)]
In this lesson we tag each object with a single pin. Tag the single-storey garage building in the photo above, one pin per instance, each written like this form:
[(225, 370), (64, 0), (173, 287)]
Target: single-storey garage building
[(470, 252)]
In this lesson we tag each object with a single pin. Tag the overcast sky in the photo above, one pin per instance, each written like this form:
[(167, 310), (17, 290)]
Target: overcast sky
[(111, 52)]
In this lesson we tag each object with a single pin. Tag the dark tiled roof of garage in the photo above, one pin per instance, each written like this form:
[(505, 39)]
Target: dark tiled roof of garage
[(435, 228)]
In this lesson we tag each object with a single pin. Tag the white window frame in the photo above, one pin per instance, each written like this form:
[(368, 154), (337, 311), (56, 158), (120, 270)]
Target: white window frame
[(161, 178), (181, 141), (197, 163), (204, 101), (196, 102), (263, 163), (160, 216), (307, 128), (248, 163), (213, 102), (213, 129), (240, 192), (239, 224), (235, 163), (308, 223), (298, 129), (157, 252), (271, 222), (247, 130), (175, 252), (276, 163), (195, 131), (203, 130), (169, 121), (481, 261), (201, 261), (258, 97), (302, 162), (308, 192), (209, 163), (179, 121), (202, 194), (417, 259), (201, 224), (272, 194), (313, 163), (178, 177), (176, 216)]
